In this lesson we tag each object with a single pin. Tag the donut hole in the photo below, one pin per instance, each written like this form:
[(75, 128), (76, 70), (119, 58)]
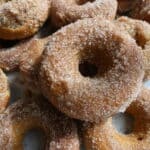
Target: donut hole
[(82, 2), (123, 123), (16, 88), (34, 139), (140, 138), (8, 44), (94, 63), (87, 69), (147, 84)]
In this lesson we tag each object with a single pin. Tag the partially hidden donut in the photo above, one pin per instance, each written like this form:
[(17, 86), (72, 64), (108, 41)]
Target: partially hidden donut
[(22, 18), (104, 136), (64, 12), (24, 56), (88, 66), (141, 10), (4, 91), (24, 115), (140, 31)]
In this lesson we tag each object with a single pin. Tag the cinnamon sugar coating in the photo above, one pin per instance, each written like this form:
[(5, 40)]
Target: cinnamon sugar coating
[(4, 91), (104, 136), (114, 54), (22, 18), (141, 10), (25, 115), (64, 12), (140, 31)]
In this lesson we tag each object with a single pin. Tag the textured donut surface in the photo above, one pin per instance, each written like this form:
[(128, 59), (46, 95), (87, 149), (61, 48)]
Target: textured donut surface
[(116, 58), (66, 11), (104, 136), (140, 31), (4, 91), (22, 18), (25, 115), (141, 10)]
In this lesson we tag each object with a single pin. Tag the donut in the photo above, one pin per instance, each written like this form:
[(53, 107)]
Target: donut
[(22, 18), (104, 136), (124, 6), (140, 31), (24, 115), (64, 12), (141, 10), (18, 54), (4, 91), (94, 67), (24, 58)]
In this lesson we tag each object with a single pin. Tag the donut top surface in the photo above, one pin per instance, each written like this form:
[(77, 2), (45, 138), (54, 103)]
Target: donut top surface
[(118, 69)]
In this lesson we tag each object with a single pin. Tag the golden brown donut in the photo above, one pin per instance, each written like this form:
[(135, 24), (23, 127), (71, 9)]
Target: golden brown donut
[(140, 31), (141, 10), (67, 11), (104, 136), (89, 66), (4, 91), (25, 115), (124, 6), (22, 18)]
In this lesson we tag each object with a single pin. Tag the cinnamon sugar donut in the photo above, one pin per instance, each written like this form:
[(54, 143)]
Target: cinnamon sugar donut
[(94, 67), (24, 58), (23, 116), (4, 91), (140, 31), (105, 137), (64, 12), (22, 18), (141, 10)]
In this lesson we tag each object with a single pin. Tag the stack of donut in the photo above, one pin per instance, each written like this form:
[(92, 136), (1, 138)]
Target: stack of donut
[(80, 63)]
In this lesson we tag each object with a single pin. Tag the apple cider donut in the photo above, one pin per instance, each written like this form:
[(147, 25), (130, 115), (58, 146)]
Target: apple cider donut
[(140, 31), (22, 18), (104, 136), (94, 67), (25, 115), (64, 12), (141, 10), (4, 91)]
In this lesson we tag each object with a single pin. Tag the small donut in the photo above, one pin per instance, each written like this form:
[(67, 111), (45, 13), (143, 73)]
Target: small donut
[(104, 136), (25, 115), (64, 12), (94, 67), (22, 18), (124, 6), (140, 31), (4, 91), (141, 10), (18, 54), (24, 58)]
